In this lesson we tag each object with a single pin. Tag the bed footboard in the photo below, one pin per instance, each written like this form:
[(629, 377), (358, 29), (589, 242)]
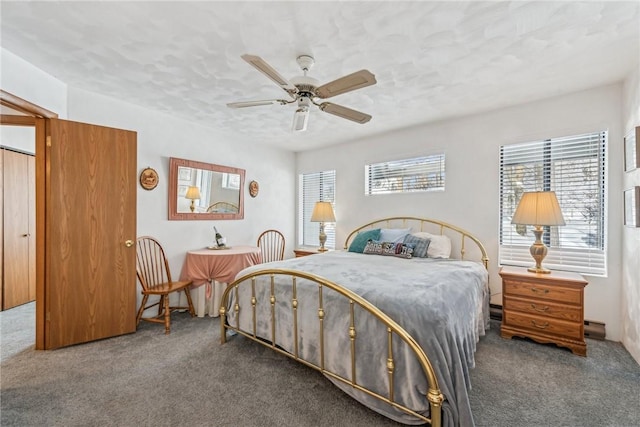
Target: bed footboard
[(294, 279)]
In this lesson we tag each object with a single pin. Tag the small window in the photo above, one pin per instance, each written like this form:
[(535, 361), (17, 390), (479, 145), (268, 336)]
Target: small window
[(405, 176), (315, 187)]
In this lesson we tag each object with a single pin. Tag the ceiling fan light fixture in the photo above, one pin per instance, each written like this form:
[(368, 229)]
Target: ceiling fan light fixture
[(300, 119), (304, 91)]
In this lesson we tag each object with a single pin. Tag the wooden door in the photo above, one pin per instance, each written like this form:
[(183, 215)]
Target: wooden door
[(31, 219), (86, 185), (1, 229), (19, 281)]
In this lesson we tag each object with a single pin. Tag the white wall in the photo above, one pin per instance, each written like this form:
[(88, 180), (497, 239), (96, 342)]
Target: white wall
[(630, 294), (25, 81), (162, 136), (21, 138), (20, 78), (471, 145), (470, 200)]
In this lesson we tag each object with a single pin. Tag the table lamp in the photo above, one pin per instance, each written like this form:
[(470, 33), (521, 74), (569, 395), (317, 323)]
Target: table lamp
[(538, 208), (323, 212), (193, 193)]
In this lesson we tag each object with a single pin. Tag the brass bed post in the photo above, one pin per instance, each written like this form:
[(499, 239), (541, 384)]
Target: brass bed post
[(253, 305), (272, 300), (390, 364), (294, 307), (223, 320), (236, 309), (352, 338), (321, 319)]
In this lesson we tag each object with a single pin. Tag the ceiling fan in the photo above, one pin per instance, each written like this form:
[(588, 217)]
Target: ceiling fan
[(305, 91)]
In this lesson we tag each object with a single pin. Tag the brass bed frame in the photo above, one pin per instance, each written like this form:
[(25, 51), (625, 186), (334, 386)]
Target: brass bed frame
[(433, 395)]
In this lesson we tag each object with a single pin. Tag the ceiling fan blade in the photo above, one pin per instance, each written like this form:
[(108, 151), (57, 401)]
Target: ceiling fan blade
[(344, 112), (266, 69), (357, 80), (243, 104)]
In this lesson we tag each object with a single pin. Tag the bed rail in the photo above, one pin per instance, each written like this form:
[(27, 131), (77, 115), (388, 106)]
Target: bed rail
[(458, 235), (297, 278)]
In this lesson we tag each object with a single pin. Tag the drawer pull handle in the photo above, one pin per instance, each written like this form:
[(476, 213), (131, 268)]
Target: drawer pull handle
[(545, 325), (541, 310), (540, 291)]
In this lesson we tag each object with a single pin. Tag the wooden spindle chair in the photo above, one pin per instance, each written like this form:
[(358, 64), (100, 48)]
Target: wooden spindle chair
[(271, 244), (154, 275)]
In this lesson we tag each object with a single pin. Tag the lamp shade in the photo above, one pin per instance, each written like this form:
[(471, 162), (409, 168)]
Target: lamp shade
[(323, 212), (193, 193), (538, 208)]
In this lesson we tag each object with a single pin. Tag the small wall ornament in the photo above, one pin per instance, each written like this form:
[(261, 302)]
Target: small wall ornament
[(149, 179), (254, 188)]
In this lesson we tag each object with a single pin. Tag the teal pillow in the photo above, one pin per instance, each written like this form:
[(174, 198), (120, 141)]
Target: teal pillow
[(360, 241)]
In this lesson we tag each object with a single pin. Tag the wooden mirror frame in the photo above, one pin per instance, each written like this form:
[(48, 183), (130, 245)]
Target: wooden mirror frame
[(174, 163)]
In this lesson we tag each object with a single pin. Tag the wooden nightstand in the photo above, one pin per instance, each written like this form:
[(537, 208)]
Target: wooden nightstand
[(548, 308), (307, 251)]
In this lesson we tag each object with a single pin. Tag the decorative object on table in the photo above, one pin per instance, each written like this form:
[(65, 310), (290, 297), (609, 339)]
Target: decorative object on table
[(193, 194), (218, 248), (632, 207), (632, 150), (271, 244), (221, 242), (538, 208), (149, 178), (323, 212), (254, 187)]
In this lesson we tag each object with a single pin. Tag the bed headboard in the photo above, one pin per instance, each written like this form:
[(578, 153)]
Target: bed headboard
[(459, 237)]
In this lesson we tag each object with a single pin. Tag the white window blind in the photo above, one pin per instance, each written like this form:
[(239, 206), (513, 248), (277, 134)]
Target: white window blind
[(403, 176), (315, 187), (573, 167)]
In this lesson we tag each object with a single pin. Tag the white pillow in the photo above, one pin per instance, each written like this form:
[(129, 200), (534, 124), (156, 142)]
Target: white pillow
[(440, 246), (393, 235)]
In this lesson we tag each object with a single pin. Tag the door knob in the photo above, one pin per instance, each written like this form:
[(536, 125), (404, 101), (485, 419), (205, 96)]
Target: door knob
[(128, 243)]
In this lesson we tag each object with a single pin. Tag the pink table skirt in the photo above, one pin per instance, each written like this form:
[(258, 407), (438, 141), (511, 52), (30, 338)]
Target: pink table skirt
[(204, 265), (215, 269)]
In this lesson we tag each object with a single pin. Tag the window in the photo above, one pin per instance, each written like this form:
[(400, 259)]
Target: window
[(573, 167), (315, 187), (405, 176)]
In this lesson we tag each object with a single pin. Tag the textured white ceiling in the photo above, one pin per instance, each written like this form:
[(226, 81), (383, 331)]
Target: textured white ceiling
[(432, 60)]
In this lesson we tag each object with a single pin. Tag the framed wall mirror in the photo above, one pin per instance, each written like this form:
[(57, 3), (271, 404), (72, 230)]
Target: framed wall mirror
[(205, 191)]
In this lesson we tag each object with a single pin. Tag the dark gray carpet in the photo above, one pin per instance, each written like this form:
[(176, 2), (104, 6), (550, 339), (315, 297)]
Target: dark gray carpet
[(188, 379)]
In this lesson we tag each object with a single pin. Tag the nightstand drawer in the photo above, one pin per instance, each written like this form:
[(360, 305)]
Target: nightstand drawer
[(543, 308), (536, 290), (543, 325)]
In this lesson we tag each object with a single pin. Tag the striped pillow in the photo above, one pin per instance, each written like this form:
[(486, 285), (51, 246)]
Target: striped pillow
[(420, 245)]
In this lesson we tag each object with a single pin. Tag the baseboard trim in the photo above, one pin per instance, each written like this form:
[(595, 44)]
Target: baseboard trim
[(592, 329)]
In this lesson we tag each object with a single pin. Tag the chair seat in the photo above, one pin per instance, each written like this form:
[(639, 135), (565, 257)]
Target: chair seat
[(166, 287)]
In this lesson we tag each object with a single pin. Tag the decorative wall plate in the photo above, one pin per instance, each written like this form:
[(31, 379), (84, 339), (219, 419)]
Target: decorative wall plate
[(149, 179), (254, 187)]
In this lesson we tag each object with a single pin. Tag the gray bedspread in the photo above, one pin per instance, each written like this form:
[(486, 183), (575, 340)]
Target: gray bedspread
[(443, 304)]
